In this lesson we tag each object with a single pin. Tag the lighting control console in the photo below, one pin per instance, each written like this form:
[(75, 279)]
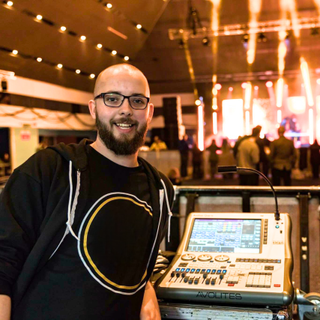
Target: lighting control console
[(232, 258)]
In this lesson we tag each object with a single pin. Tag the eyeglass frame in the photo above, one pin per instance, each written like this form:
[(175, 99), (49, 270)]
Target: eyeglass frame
[(101, 95)]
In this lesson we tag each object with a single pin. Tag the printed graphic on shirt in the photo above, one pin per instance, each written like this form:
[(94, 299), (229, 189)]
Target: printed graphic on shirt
[(114, 242)]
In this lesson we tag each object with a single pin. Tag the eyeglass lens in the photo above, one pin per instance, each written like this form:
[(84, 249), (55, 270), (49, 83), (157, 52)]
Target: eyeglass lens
[(115, 100)]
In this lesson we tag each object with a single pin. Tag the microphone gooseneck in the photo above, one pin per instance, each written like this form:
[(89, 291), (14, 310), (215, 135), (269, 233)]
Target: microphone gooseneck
[(224, 169)]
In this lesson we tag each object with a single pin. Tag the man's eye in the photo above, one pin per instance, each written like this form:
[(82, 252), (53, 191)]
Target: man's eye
[(111, 99), (138, 101)]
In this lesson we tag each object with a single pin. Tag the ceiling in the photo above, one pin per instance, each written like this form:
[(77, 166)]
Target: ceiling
[(150, 49)]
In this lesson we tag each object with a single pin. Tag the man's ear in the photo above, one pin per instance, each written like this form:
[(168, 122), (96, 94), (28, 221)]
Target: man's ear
[(92, 108), (151, 110)]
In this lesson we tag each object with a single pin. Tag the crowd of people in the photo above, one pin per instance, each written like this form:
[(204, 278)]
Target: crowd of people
[(276, 159)]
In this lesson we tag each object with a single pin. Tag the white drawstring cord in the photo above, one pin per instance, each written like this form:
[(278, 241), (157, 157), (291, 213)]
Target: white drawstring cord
[(71, 211), (169, 209)]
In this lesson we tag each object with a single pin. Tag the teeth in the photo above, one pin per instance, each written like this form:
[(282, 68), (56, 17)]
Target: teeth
[(124, 125)]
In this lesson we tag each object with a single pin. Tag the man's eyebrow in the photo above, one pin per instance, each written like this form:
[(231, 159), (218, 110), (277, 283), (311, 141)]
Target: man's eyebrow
[(134, 94)]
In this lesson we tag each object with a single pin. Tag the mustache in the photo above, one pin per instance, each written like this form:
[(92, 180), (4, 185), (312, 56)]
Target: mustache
[(124, 120)]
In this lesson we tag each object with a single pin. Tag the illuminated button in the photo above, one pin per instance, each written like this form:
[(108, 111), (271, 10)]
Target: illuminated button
[(277, 285), (198, 270), (178, 269), (193, 270), (213, 271), (208, 270), (219, 271), (230, 284), (277, 226), (182, 269), (188, 269), (224, 271)]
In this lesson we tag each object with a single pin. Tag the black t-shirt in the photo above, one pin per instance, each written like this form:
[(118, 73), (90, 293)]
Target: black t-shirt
[(100, 275)]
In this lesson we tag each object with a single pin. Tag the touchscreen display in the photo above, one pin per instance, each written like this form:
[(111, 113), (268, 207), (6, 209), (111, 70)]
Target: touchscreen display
[(225, 235)]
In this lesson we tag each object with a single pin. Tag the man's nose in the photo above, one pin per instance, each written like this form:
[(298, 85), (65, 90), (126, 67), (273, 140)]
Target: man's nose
[(125, 108)]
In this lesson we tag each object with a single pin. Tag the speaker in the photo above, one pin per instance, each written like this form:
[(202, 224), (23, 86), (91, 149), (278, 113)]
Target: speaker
[(170, 111)]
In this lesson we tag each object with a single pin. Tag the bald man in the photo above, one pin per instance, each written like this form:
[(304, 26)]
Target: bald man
[(81, 224)]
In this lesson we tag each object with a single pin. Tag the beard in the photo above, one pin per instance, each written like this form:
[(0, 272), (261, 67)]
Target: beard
[(121, 146)]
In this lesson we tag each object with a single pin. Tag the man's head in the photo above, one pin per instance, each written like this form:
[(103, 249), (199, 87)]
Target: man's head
[(121, 129), (256, 131), (281, 131)]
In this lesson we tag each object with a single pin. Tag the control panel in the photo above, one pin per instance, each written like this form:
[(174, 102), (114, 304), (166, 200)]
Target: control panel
[(232, 258)]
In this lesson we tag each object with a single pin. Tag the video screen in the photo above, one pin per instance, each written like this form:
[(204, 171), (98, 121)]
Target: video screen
[(225, 235)]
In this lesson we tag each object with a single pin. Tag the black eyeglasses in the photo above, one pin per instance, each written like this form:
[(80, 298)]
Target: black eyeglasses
[(115, 100)]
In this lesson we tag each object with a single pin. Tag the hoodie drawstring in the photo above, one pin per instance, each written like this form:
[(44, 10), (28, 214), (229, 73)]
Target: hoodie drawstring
[(168, 208)]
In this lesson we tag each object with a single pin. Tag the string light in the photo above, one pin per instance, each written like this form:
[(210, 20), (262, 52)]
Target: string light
[(99, 45), (126, 58), (83, 38), (114, 52), (109, 5), (15, 52), (39, 59), (63, 28), (10, 3), (60, 65), (138, 26), (92, 76), (78, 71), (39, 17)]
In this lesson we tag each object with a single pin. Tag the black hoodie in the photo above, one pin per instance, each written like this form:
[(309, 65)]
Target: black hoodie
[(40, 199)]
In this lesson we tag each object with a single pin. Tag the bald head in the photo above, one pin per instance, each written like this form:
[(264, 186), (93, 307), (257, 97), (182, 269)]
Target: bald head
[(281, 131), (123, 74)]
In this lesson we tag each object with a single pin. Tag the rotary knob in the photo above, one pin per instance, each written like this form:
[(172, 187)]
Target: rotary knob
[(188, 257), (221, 258), (204, 257)]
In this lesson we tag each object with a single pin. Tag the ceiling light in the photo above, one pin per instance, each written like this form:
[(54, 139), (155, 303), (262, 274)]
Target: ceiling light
[(243, 85), (198, 102), (78, 71), (63, 28), (83, 38), (60, 65), (262, 37), (99, 45), (113, 52), (230, 89), (126, 58), (139, 26), (205, 41), (256, 88), (109, 5), (269, 84), (15, 52), (39, 59), (39, 17), (218, 86), (10, 3), (92, 75)]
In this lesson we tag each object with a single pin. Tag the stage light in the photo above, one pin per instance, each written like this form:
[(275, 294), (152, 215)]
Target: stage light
[(99, 45), (269, 84), (245, 38), (232, 127), (230, 89), (200, 128), (92, 76), (256, 88), (39, 17), (109, 5), (113, 52), (83, 38), (15, 52), (181, 44), (306, 79), (318, 81), (39, 59), (78, 71), (197, 102), (279, 97), (9, 3), (138, 26), (60, 65), (243, 85), (205, 41), (247, 97), (218, 86), (126, 58), (262, 37), (214, 123)]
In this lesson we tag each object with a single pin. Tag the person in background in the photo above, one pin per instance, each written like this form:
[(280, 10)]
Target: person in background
[(315, 159), (184, 156), (213, 157), (248, 157), (226, 158), (197, 172), (174, 176), (81, 224), (158, 144), (282, 158)]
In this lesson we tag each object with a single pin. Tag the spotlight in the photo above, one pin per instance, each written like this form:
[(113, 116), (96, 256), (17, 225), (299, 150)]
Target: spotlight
[(262, 37), (315, 31), (205, 41), (245, 38), (269, 84), (181, 44)]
